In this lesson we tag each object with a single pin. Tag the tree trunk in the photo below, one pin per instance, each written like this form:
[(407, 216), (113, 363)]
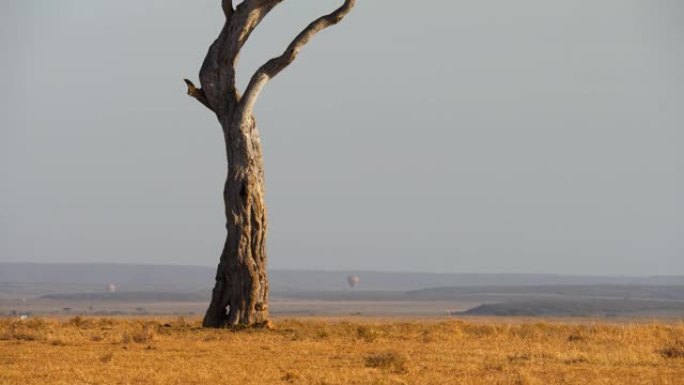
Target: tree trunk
[(240, 295)]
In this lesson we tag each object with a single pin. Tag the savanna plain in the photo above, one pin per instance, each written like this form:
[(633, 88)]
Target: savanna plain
[(353, 350)]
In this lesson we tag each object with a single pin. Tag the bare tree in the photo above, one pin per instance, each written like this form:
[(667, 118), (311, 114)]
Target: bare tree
[(240, 295)]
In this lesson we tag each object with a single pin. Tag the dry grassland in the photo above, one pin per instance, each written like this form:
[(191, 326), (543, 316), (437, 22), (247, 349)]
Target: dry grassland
[(129, 351)]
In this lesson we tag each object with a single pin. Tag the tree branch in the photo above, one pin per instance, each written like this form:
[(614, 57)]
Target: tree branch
[(218, 91), (228, 10), (198, 94), (217, 75), (274, 66), (247, 16)]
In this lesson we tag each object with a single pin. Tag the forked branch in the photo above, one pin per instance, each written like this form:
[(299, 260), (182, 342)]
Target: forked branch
[(217, 75), (228, 10), (218, 91), (274, 66)]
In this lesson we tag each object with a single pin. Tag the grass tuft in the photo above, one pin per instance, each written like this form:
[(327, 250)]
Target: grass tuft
[(673, 350), (107, 357), (393, 361), (367, 333)]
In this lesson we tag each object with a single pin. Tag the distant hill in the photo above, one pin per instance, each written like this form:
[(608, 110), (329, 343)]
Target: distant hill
[(84, 288), (633, 291), (98, 276), (585, 308), (128, 296), (34, 279)]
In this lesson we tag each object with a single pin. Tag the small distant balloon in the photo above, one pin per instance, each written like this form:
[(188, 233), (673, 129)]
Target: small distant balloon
[(111, 288), (352, 280)]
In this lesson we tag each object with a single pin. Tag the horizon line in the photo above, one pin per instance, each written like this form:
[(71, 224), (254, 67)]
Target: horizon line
[(348, 270)]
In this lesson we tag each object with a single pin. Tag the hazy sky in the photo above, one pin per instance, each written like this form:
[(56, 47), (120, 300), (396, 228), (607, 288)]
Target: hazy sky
[(447, 136)]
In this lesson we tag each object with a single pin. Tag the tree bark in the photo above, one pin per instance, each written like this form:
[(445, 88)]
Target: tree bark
[(241, 280), (240, 295)]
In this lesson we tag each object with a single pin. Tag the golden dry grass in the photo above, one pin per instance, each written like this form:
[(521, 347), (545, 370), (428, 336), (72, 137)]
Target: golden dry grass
[(129, 351)]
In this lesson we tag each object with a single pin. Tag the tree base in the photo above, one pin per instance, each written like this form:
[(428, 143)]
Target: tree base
[(222, 323)]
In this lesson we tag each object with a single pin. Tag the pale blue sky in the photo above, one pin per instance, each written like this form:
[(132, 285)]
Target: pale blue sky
[(452, 135)]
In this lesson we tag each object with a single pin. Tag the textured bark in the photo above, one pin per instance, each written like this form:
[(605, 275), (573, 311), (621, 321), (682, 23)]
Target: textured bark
[(240, 295), (241, 280)]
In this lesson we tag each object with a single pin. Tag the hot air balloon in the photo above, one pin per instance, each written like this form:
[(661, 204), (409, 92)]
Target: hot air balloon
[(352, 280), (111, 288)]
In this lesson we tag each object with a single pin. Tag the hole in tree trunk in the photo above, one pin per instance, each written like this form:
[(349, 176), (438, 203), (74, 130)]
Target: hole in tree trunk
[(243, 191)]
